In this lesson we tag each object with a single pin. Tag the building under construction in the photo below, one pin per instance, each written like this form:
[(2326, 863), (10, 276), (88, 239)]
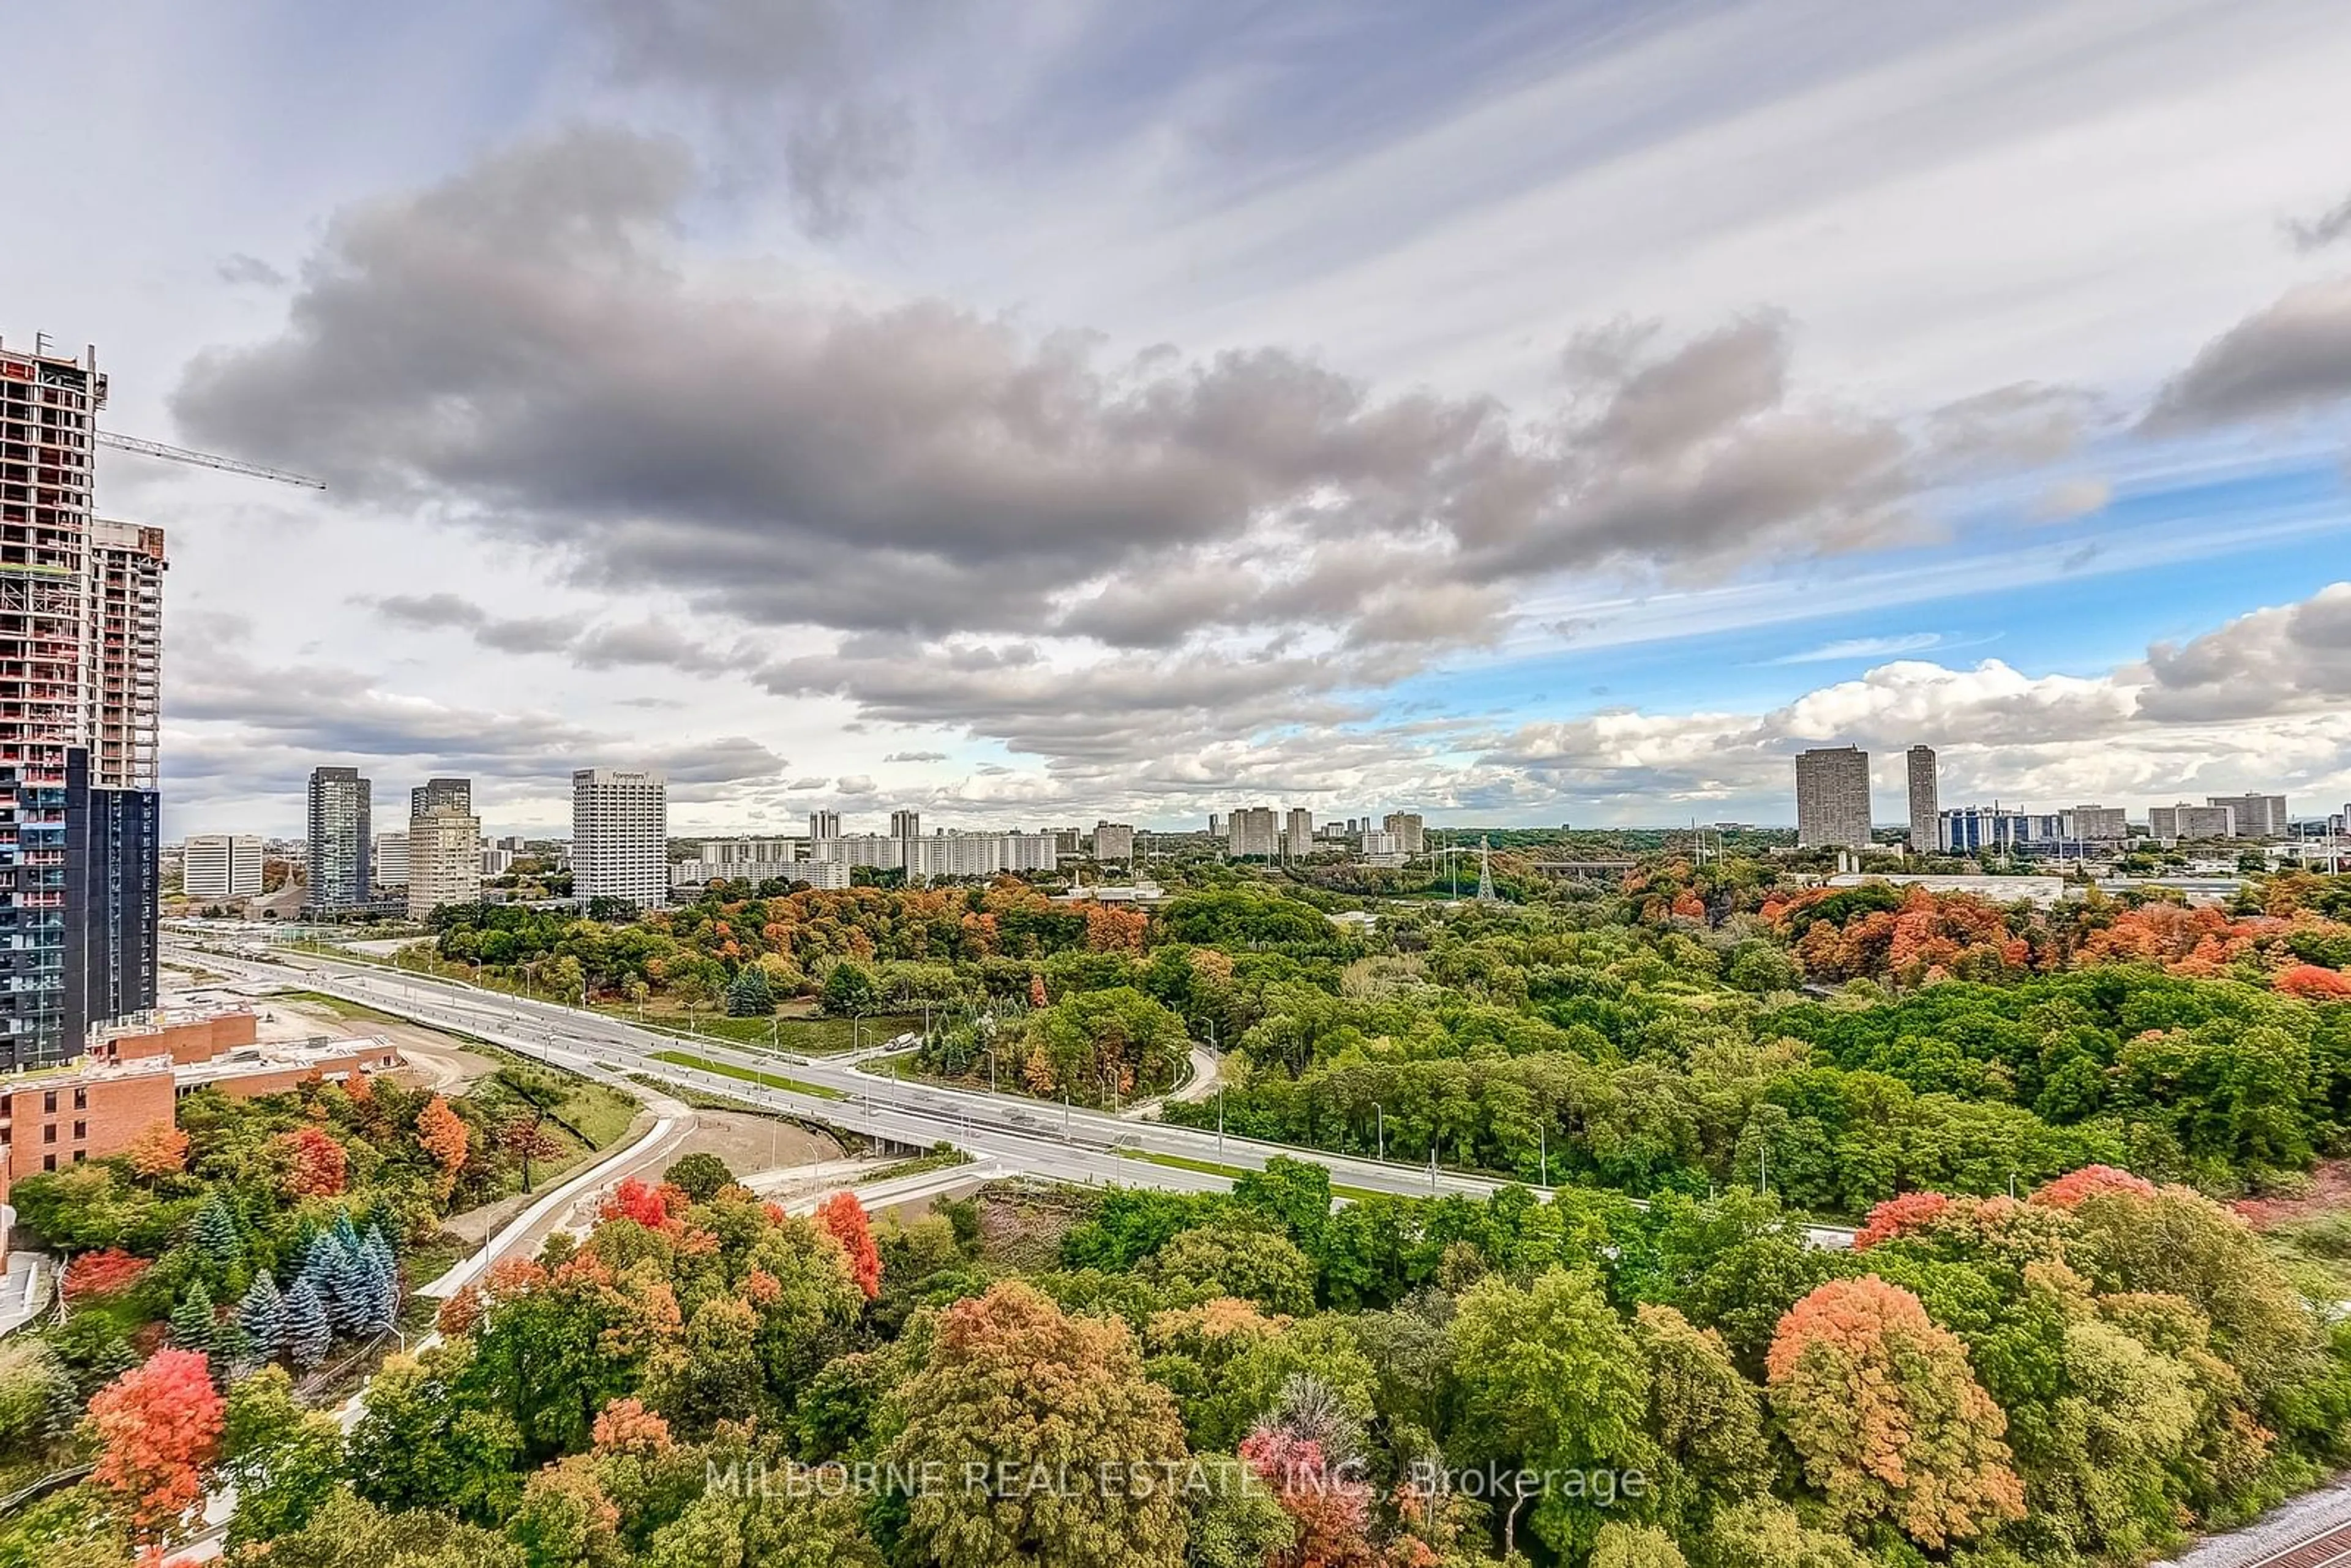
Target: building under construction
[(80, 650)]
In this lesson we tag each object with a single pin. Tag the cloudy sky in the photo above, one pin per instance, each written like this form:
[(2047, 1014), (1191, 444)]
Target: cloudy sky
[(1032, 412)]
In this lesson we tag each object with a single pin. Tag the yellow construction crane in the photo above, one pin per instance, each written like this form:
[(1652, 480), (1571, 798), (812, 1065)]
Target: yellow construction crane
[(205, 460)]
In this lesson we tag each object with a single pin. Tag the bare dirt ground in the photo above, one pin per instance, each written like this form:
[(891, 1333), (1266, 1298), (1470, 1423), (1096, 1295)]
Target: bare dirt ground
[(917, 1209), (749, 1144), (435, 1059)]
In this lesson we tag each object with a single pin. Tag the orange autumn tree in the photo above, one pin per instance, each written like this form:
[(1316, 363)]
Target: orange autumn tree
[(843, 1218), (2313, 982), (441, 1133), (1899, 1215), (160, 1151), (1111, 929), (2068, 1190), (316, 1164), (1887, 1413), (158, 1425)]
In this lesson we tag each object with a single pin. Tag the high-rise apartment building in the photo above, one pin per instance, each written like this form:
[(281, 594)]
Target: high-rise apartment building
[(1297, 833), (2095, 824), (1113, 842), (906, 827), (2257, 816), (2173, 823), (1926, 804), (113, 846), (80, 619), (620, 835), (444, 857), (824, 825), (1253, 831), (1833, 797), (434, 793), (388, 861), (124, 669), (1965, 829), (342, 807), (221, 865), (1411, 836)]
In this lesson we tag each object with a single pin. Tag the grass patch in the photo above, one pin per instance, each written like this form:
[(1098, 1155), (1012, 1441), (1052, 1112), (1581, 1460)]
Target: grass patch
[(900, 1064), (1184, 1163), (598, 1114), (747, 1074), (1234, 1173), (938, 1159), (357, 1012), (800, 1036)]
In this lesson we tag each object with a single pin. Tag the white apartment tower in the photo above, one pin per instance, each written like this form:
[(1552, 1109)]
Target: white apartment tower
[(388, 866), (221, 866), (444, 847), (1926, 801), (1253, 831), (2257, 816), (1833, 798), (1297, 833), (620, 835), (1113, 842), (1410, 834)]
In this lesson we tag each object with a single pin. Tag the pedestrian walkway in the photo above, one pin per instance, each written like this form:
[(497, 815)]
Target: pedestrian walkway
[(25, 1290)]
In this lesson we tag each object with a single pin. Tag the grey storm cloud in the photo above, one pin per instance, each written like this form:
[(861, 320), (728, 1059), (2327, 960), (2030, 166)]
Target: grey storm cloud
[(594, 648), (783, 80), (2294, 356), (249, 271), (437, 612), (2275, 660), (515, 348), (2318, 233), (524, 350), (733, 760)]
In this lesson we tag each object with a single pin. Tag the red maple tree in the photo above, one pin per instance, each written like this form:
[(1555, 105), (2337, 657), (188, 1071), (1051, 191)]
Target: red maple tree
[(2070, 1189), (844, 1218), (158, 1426), (1899, 1216), (316, 1165), (103, 1273), (2313, 982)]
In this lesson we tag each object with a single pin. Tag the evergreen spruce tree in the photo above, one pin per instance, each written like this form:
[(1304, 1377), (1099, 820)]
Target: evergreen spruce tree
[(216, 1237), (308, 1334), (749, 995), (337, 1274), (191, 1320), (262, 1316), (384, 1276)]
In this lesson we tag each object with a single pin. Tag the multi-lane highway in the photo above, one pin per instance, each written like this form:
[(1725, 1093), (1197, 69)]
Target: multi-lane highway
[(1061, 1142)]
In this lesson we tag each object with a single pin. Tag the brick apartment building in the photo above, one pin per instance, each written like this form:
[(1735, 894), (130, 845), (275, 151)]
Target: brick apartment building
[(134, 1076)]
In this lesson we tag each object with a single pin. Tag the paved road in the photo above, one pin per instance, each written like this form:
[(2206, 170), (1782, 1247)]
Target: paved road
[(1067, 1142)]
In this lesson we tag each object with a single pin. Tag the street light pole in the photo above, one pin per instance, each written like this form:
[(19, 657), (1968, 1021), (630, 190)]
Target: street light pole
[(1380, 1123)]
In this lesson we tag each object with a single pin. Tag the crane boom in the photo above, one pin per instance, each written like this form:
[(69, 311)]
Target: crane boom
[(205, 460)]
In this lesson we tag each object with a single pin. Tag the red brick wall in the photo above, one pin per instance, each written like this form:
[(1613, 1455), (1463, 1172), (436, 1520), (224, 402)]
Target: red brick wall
[(198, 1040), (113, 1112), (254, 1085)]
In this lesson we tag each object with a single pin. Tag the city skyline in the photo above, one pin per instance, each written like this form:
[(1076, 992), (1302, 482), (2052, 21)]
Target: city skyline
[(1523, 499)]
